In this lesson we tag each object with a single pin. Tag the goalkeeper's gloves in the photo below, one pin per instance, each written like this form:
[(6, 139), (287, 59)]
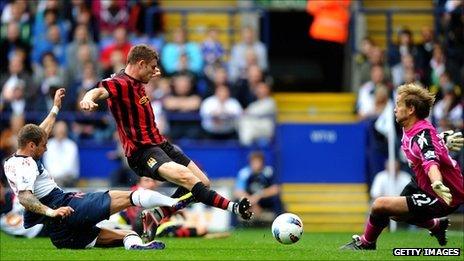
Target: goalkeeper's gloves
[(454, 141), (442, 191)]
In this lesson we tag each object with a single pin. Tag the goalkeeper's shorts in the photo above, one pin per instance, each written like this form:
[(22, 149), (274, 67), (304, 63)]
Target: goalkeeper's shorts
[(424, 206)]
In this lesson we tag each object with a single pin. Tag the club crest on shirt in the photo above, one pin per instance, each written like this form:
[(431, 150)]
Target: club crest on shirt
[(143, 100), (151, 162)]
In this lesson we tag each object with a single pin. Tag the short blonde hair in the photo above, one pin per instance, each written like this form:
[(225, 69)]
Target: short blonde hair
[(421, 99), (31, 132)]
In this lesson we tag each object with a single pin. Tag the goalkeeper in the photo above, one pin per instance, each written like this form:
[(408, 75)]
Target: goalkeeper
[(437, 189)]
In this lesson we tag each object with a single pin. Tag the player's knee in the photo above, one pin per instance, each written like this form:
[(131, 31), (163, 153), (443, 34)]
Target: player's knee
[(380, 206)]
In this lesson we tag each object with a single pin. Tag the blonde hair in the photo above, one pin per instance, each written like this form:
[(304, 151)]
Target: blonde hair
[(413, 95), (31, 132)]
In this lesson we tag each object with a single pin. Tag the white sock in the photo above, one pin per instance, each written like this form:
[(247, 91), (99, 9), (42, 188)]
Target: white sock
[(130, 240), (149, 199), (231, 207)]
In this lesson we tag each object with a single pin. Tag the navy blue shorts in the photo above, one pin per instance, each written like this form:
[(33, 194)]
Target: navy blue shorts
[(79, 230)]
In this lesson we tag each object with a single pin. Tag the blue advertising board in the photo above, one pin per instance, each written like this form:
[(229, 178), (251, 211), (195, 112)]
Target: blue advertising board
[(321, 152), (331, 153)]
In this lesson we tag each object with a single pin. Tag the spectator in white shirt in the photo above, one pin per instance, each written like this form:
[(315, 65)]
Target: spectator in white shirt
[(238, 59), (62, 157), (219, 114), (258, 120), (365, 104), (385, 184)]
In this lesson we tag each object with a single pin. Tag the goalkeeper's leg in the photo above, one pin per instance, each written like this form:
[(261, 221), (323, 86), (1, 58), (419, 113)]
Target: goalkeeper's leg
[(382, 209)]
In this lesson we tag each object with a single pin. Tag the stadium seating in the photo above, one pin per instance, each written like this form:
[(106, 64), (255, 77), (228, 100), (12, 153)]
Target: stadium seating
[(316, 107), (328, 207), (377, 26), (198, 22)]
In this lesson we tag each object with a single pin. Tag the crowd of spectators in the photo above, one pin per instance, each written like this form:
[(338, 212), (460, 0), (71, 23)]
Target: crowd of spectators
[(435, 62), (204, 91)]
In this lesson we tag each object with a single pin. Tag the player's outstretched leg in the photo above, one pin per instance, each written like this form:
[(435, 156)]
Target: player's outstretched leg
[(151, 218), (382, 209), (212, 198), (374, 226), (183, 176), (358, 244)]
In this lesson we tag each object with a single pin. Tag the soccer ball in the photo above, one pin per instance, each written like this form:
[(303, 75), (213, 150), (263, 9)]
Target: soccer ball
[(287, 228)]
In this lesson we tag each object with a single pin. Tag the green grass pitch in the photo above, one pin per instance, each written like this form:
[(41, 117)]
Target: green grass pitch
[(243, 244)]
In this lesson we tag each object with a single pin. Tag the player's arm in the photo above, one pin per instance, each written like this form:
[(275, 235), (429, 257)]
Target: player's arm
[(88, 103), (426, 148), (47, 124), (437, 184), (31, 203)]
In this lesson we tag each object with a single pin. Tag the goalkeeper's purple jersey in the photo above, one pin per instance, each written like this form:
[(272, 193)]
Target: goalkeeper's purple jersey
[(424, 148)]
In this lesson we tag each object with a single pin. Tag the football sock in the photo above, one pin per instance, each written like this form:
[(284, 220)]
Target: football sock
[(374, 226), (210, 197), (180, 191), (149, 199), (130, 240), (431, 224)]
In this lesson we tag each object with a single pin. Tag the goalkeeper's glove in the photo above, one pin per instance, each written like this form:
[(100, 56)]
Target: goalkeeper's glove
[(454, 141), (442, 191)]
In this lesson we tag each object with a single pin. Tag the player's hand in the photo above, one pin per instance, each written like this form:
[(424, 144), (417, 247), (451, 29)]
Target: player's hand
[(454, 141), (442, 191), (63, 212), (59, 95), (88, 105)]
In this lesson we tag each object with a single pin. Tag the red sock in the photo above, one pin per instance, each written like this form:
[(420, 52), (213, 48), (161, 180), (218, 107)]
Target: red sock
[(209, 197), (374, 227)]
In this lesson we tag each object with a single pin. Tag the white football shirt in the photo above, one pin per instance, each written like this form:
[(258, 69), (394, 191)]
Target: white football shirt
[(24, 173)]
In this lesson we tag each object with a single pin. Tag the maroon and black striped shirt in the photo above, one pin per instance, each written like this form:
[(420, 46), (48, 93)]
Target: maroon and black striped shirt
[(131, 108)]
